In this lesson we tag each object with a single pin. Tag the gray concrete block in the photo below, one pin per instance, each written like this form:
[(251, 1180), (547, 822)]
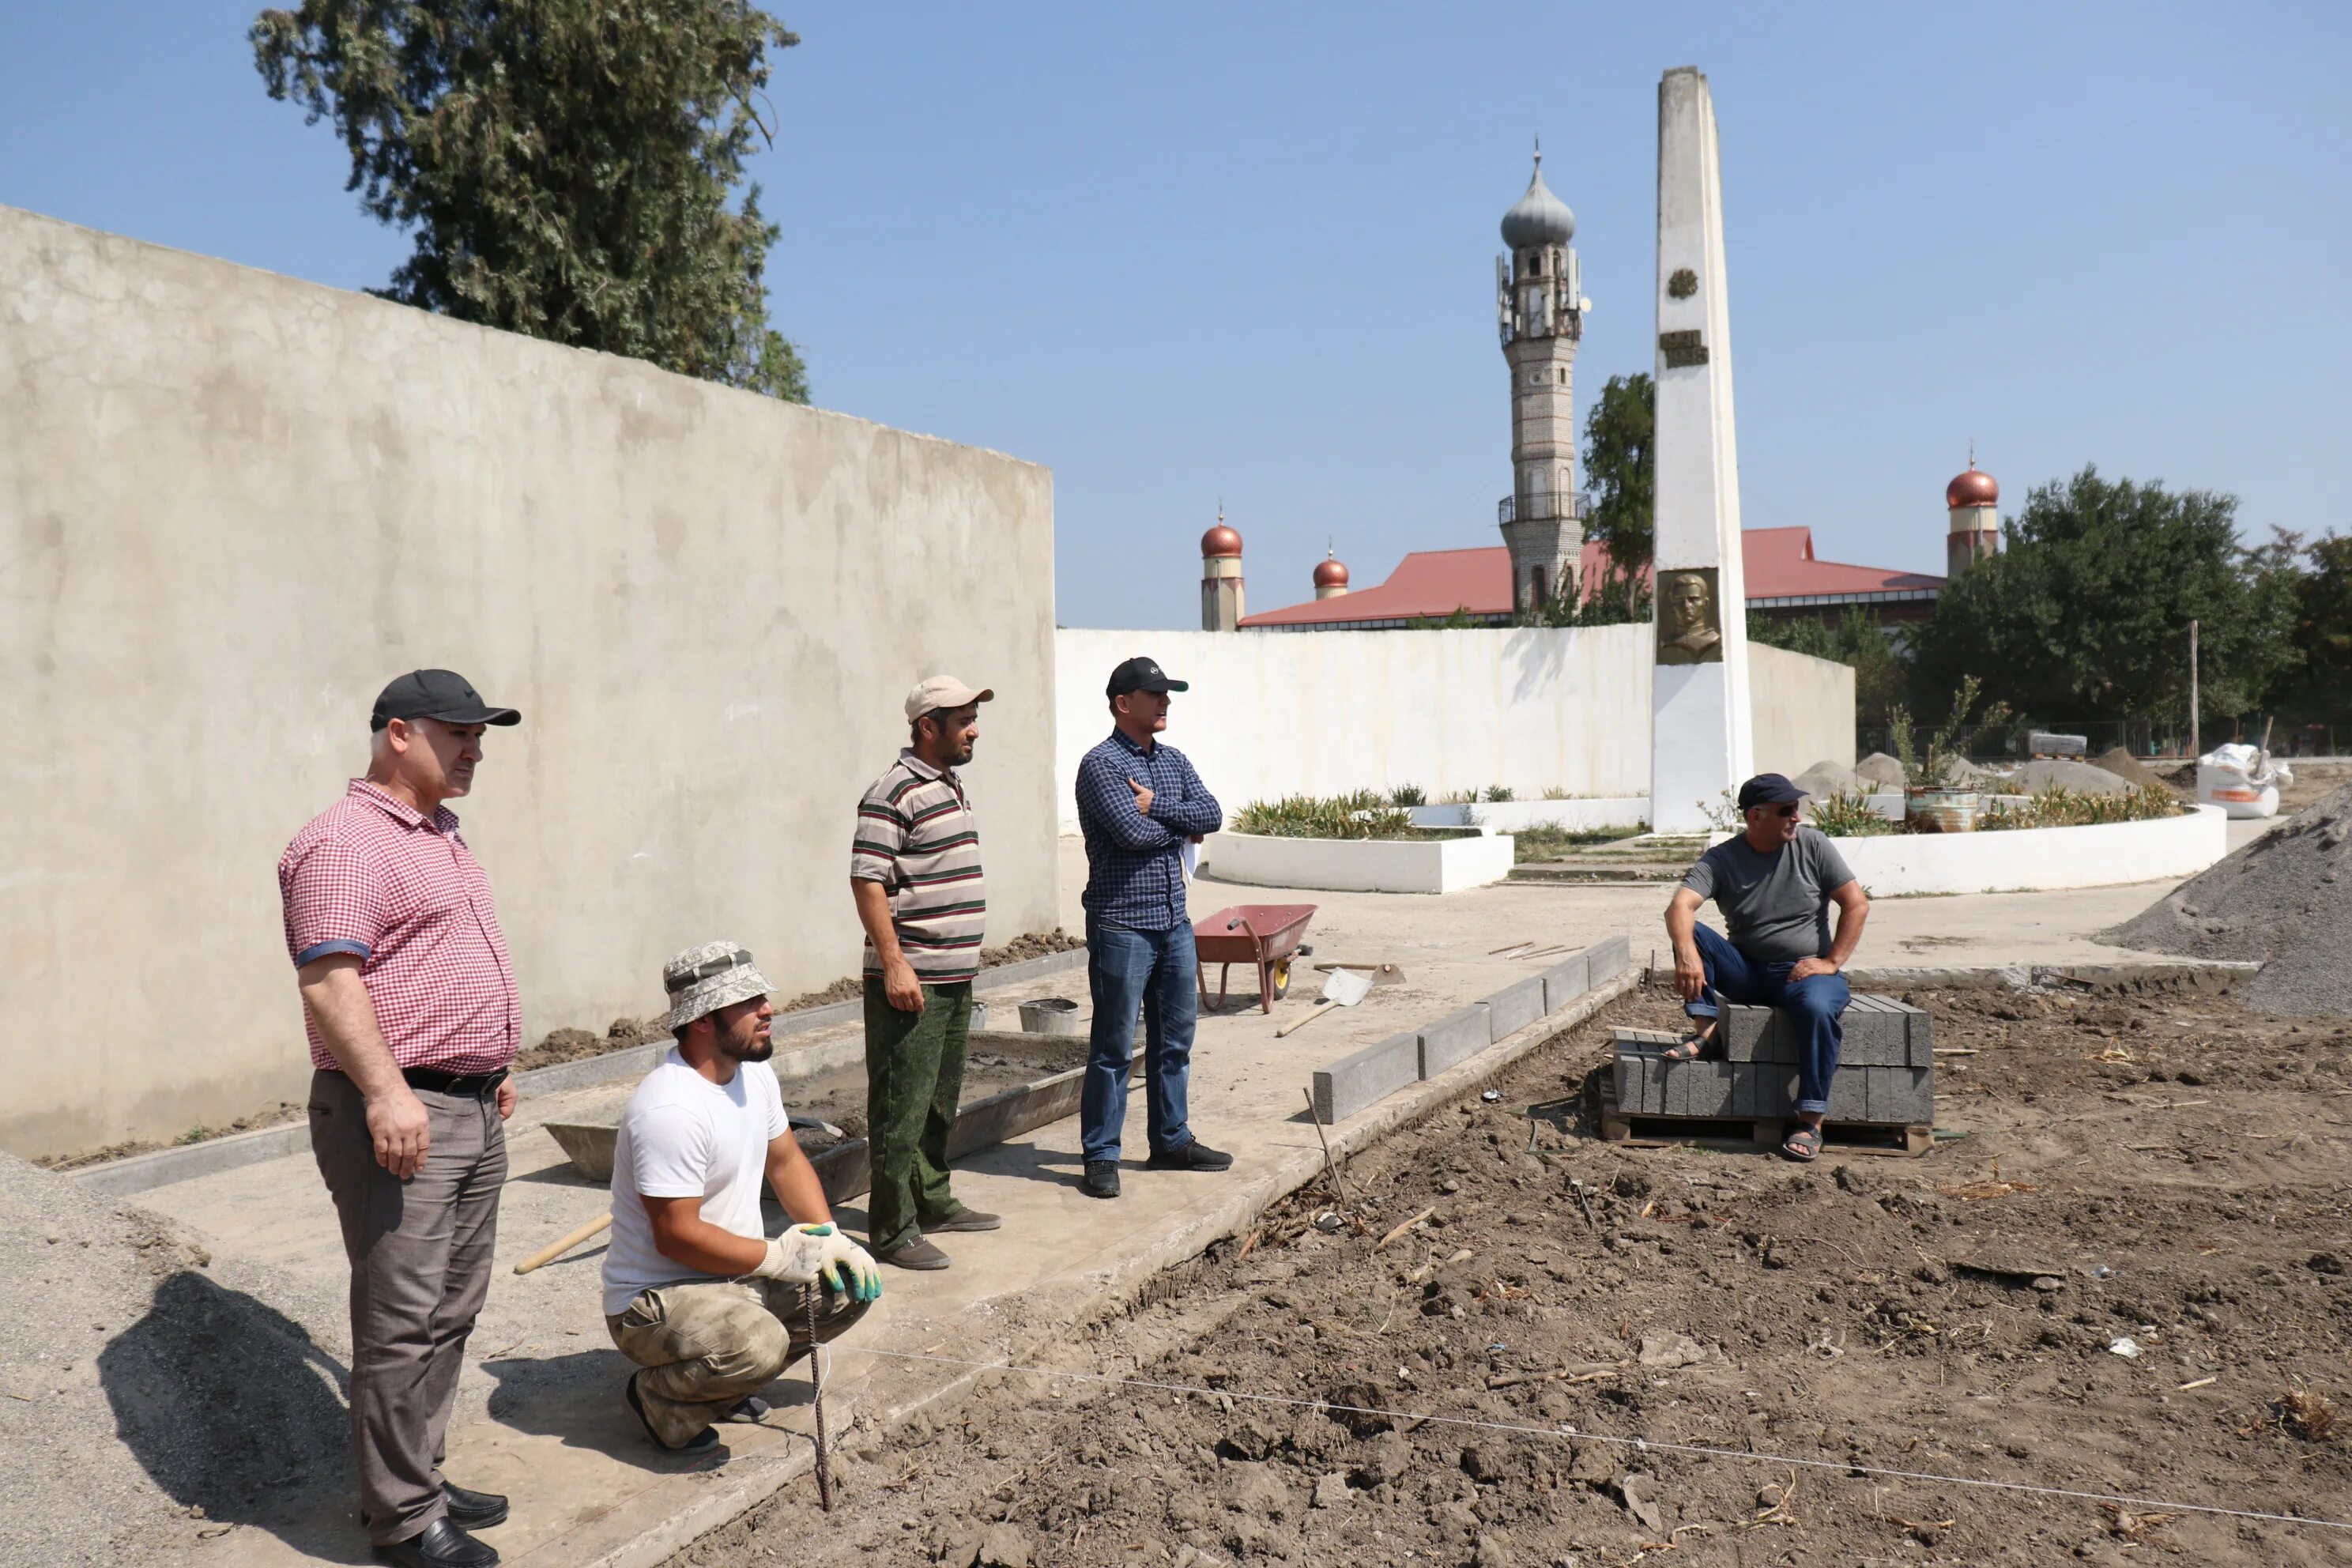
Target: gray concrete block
[(1629, 1079), (1366, 1077), (1919, 1034), (1457, 1037), (1710, 1089), (1747, 1033), (1905, 1094), (1514, 1007), (1607, 960), (1743, 1087), (1566, 980), (1676, 1100), (1643, 1038), (1850, 1096), (1776, 1088)]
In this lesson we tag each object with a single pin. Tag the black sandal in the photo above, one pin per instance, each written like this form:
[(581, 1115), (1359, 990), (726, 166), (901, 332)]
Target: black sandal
[(1692, 1047), (1803, 1146)]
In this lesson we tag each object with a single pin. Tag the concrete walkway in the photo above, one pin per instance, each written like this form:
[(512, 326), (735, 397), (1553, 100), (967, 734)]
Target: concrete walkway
[(540, 1414)]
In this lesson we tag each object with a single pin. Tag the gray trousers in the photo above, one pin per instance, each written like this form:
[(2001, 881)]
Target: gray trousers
[(420, 1255)]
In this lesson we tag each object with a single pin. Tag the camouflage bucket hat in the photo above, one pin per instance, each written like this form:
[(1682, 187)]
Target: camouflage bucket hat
[(701, 980)]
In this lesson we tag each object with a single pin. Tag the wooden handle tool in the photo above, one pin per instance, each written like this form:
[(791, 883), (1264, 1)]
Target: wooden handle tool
[(548, 1253)]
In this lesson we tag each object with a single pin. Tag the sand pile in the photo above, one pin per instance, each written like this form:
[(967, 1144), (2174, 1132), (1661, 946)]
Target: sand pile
[(1825, 779), (2038, 777), (139, 1381), (1880, 768), (2284, 899), (2127, 767)]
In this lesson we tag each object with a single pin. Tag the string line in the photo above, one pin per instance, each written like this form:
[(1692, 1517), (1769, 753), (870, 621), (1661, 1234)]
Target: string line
[(1643, 1445)]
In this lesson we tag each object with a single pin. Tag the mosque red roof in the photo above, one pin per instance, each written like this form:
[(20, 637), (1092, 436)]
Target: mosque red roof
[(1782, 569)]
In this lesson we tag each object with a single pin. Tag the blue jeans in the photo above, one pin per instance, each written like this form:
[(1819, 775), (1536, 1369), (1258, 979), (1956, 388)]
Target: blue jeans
[(1812, 1004), (1126, 969)]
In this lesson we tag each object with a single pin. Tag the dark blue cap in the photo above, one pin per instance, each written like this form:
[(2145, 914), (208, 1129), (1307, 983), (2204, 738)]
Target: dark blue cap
[(1769, 789)]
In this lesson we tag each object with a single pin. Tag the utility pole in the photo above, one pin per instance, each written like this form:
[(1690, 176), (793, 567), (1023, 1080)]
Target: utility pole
[(2194, 750)]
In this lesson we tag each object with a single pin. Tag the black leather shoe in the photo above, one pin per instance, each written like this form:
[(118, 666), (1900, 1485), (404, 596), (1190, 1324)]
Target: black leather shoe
[(1194, 1156), (1102, 1180), (442, 1545), (474, 1510), (702, 1442)]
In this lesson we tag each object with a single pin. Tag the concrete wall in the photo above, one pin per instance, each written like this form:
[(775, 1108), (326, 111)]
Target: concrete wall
[(1803, 710), (1271, 715), (232, 505), (2036, 859)]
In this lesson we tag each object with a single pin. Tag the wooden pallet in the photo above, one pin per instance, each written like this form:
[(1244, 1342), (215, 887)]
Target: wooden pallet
[(1756, 1134)]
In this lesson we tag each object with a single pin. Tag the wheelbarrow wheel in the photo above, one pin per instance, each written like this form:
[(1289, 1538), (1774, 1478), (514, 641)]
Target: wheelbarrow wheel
[(1281, 978)]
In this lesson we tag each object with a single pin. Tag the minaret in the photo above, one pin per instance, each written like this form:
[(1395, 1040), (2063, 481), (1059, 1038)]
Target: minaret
[(1972, 501), (1330, 575), (1221, 577), (1539, 307)]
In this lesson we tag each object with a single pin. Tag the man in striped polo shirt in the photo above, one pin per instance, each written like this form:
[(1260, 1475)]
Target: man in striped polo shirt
[(914, 872)]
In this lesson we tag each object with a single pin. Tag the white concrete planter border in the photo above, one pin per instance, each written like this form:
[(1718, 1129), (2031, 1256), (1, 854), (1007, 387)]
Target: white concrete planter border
[(1359, 865), (2036, 859), (1582, 815)]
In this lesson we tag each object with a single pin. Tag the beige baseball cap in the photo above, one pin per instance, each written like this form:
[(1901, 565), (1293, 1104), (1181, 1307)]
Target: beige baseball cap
[(943, 691)]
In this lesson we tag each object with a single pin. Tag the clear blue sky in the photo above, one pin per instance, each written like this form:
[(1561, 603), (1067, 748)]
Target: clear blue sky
[(1176, 253)]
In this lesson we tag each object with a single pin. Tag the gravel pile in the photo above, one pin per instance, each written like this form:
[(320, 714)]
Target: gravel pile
[(149, 1400), (2284, 899), (1825, 779), (2127, 767)]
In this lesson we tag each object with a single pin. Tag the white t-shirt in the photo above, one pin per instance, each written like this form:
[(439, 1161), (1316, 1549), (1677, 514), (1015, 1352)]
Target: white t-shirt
[(684, 1136)]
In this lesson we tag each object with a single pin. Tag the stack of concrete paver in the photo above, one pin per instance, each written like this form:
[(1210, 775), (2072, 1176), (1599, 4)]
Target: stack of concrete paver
[(1366, 1077), (1886, 1069)]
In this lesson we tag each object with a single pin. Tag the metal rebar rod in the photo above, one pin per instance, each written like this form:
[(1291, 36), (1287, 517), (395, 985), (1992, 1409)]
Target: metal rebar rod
[(816, 1380)]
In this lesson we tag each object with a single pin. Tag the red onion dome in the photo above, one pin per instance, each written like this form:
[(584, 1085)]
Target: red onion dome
[(1975, 487), (1220, 542), (1330, 574)]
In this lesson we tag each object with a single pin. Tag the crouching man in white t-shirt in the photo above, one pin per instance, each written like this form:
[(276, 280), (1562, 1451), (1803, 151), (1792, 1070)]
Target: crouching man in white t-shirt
[(709, 1306)]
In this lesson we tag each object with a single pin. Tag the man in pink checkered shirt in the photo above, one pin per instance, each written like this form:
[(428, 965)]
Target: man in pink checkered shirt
[(410, 1003)]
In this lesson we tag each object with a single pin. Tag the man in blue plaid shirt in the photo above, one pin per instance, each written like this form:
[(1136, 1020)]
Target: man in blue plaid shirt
[(1139, 803)]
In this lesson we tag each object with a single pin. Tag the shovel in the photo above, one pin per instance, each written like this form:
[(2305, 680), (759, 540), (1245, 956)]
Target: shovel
[(1341, 988)]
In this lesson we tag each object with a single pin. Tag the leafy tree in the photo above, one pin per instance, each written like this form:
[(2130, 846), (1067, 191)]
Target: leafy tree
[(2085, 612), (1879, 674), (2321, 690), (567, 166), (1620, 464)]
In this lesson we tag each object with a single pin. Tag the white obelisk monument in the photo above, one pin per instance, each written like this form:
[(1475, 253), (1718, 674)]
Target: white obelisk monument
[(1699, 738)]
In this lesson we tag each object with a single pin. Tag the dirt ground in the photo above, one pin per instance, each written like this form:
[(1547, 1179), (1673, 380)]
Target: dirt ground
[(2159, 1169)]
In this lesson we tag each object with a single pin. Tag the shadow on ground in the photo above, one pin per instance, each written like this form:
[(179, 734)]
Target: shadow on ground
[(230, 1407)]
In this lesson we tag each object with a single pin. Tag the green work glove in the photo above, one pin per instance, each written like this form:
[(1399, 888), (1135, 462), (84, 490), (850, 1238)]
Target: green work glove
[(806, 1253)]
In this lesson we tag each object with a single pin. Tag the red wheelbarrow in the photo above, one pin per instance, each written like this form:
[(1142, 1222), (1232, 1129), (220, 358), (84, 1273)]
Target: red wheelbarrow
[(1264, 935)]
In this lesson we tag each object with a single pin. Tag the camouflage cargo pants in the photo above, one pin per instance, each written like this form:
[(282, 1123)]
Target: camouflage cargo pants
[(707, 1344)]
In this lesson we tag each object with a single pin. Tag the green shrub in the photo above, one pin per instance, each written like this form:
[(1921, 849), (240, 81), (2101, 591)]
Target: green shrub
[(1364, 813), (1407, 794), (1498, 793), (1847, 817), (2075, 808)]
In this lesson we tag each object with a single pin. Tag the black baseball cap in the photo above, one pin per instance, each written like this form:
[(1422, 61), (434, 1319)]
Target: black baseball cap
[(442, 694), (1769, 789), (1143, 675)]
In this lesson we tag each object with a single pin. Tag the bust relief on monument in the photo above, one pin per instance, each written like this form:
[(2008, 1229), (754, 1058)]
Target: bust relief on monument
[(1690, 628)]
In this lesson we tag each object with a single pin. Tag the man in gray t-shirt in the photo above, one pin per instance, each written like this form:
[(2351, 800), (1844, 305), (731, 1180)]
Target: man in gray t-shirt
[(1774, 885)]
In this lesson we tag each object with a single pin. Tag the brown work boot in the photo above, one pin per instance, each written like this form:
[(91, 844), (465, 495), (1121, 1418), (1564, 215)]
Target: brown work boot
[(916, 1254), (963, 1219)]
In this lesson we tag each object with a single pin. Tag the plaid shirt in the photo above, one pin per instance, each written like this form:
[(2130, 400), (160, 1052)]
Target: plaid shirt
[(1134, 870), (374, 877)]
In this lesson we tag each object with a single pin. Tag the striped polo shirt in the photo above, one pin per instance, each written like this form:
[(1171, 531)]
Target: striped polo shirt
[(916, 837)]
